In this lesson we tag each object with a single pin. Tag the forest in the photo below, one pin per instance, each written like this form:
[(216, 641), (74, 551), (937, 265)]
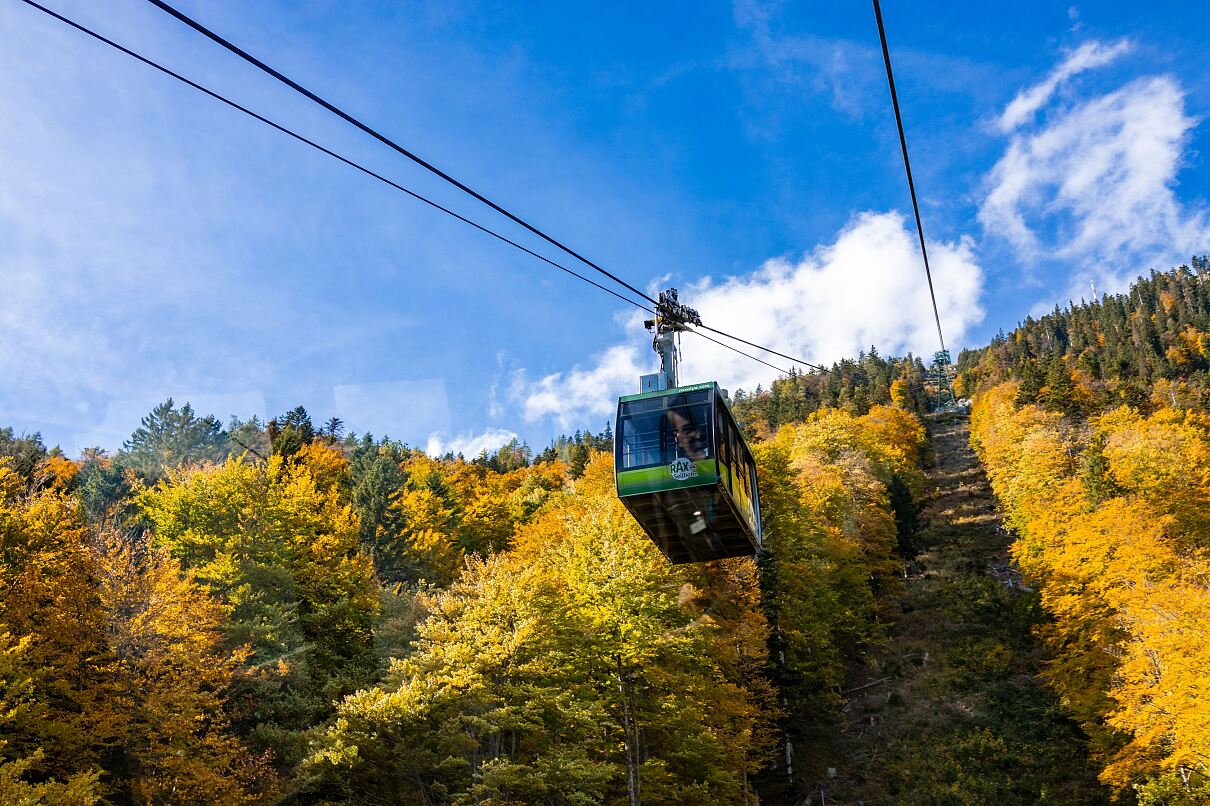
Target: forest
[(1111, 521), (281, 612), (1146, 348), (286, 612), (1094, 428), (851, 385)]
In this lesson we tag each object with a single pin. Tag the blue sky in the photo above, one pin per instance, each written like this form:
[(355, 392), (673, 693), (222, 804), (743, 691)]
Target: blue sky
[(155, 244)]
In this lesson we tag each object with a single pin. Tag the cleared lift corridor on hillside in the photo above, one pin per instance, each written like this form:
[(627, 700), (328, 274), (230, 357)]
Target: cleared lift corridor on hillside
[(952, 710)]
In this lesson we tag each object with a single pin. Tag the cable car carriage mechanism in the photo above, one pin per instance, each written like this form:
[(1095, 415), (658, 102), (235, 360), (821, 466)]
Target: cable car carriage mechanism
[(682, 466)]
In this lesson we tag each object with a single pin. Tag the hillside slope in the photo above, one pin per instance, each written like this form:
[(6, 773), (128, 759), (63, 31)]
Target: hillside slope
[(950, 709)]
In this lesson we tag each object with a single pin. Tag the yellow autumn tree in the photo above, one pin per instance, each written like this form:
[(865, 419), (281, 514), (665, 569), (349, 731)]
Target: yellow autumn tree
[(18, 709), (172, 677), (1112, 521), (846, 467), (577, 667), (899, 393), (830, 572), (52, 606), (115, 687), (280, 550)]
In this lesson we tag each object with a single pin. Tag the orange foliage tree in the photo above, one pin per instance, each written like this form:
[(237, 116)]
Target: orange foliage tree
[(1112, 519)]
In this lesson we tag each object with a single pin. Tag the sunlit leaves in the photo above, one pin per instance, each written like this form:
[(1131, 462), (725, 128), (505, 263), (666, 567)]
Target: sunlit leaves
[(279, 547), (830, 539), (567, 670), (1113, 524)]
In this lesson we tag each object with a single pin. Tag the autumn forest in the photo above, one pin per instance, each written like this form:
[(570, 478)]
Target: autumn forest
[(294, 612)]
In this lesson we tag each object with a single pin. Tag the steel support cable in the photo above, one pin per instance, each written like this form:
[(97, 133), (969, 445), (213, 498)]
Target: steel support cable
[(737, 350), (216, 96), (890, 77), (435, 205), (767, 350), (294, 85)]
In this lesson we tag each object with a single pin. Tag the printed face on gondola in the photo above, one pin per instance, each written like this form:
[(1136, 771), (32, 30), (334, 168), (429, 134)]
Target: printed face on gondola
[(688, 436)]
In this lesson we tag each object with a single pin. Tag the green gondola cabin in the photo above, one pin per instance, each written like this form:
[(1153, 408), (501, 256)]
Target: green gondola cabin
[(685, 472)]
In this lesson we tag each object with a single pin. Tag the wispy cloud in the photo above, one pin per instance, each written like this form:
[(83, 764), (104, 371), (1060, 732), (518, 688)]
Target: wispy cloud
[(107, 290), (844, 71), (468, 445), (1093, 185), (1028, 101), (147, 234), (864, 289)]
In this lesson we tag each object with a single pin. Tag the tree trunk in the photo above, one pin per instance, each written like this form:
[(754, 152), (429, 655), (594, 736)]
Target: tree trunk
[(630, 732)]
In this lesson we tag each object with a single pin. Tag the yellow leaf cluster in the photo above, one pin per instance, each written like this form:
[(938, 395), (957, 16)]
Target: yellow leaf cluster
[(567, 668), (112, 677), (1113, 523)]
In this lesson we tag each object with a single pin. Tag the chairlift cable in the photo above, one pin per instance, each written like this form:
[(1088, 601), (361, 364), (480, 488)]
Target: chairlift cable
[(197, 26), (890, 77), (419, 197), (327, 151)]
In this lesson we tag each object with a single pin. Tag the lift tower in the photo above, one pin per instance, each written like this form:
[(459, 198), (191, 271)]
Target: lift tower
[(671, 318)]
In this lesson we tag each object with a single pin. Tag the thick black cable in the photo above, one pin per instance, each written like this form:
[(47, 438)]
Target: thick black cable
[(284, 130), (197, 26), (737, 350), (327, 151), (765, 349), (890, 77), (238, 51)]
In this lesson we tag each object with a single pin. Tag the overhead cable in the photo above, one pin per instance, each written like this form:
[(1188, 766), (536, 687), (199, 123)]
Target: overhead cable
[(890, 77), (327, 151), (197, 26), (767, 350), (737, 350), (294, 85), (395, 185)]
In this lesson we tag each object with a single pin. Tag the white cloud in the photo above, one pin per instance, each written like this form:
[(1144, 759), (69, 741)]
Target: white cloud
[(840, 69), (469, 445), (1086, 57), (583, 396), (867, 288), (1094, 186)]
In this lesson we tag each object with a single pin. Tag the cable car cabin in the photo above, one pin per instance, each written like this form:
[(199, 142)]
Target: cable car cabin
[(686, 474)]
